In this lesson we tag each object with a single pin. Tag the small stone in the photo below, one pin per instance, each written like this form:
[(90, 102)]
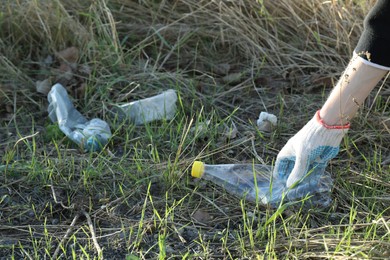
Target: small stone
[(202, 216)]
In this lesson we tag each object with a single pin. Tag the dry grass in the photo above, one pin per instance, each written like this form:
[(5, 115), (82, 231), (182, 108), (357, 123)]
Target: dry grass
[(228, 60)]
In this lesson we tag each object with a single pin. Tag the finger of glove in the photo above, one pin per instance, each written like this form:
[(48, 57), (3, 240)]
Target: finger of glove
[(299, 171), (288, 150), (283, 167), (285, 161), (317, 160)]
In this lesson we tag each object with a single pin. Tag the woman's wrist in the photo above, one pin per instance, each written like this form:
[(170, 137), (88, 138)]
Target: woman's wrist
[(331, 120)]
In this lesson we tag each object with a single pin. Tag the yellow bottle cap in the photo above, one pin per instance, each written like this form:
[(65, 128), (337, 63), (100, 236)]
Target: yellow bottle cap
[(197, 169)]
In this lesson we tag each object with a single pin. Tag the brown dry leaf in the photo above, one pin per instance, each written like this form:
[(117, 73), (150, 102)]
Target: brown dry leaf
[(70, 55), (64, 74), (202, 216)]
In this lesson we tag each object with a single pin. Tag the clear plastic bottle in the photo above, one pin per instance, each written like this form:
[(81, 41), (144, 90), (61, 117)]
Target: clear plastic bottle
[(255, 182), (162, 106), (90, 135)]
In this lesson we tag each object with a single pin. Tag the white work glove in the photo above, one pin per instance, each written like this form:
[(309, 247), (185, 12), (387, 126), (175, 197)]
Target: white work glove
[(309, 150)]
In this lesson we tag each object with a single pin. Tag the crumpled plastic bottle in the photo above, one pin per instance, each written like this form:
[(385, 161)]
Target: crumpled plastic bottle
[(255, 182), (90, 135), (162, 106)]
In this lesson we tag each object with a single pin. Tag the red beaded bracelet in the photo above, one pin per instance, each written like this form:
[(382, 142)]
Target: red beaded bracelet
[(321, 121)]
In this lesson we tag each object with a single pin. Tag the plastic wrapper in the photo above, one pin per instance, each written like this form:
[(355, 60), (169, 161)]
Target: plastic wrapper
[(90, 135)]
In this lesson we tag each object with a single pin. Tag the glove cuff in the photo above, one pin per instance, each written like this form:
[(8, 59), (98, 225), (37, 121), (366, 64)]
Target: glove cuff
[(321, 121)]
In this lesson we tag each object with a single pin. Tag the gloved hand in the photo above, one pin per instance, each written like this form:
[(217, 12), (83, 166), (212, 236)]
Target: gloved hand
[(309, 150)]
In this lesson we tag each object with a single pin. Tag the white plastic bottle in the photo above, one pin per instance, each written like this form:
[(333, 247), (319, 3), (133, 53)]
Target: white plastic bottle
[(255, 182), (162, 106)]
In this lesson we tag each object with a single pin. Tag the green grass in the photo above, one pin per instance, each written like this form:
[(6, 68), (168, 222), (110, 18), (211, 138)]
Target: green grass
[(228, 61)]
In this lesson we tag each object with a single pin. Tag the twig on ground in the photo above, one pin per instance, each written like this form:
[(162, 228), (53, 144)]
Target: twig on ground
[(255, 152), (59, 202), (93, 234), (104, 207), (24, 138), (67, 234)]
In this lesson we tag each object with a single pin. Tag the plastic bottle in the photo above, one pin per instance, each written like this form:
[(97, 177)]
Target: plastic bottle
[(90, 135), (162, 106), (255, 182)]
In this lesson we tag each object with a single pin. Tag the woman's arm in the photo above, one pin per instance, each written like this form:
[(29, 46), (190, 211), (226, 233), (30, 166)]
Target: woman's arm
[(353, 87), (310, 150)]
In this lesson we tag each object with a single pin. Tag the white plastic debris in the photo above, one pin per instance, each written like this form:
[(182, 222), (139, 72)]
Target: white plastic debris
[(162, 106), (91, 135), (266, 122)]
